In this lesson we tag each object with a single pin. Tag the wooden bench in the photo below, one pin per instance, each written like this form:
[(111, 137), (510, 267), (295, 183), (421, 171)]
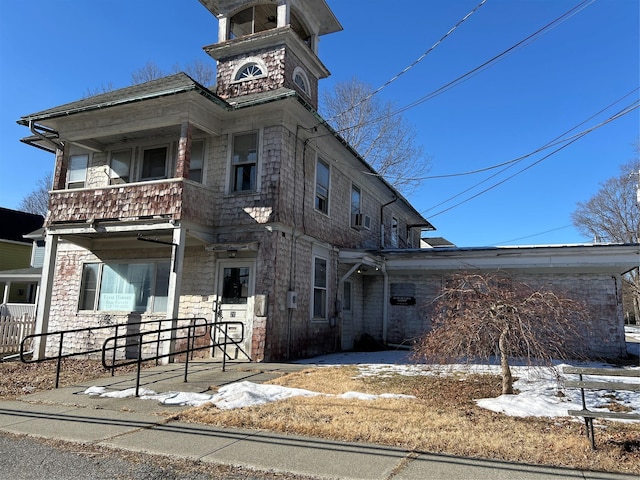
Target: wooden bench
[(590, 384)]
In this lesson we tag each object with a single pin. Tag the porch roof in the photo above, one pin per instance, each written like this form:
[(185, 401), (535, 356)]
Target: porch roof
[(30, 274), (580, 258)]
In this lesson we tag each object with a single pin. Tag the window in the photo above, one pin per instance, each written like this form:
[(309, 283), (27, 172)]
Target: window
[(154, 163), (197, 161), (129, 287), (300, 79), (244, 162), (120, 166), (77, 174), (252, 68), (394, 232), (319, 289), (235, 286), (253, 20), (249, 71), (322, 186), (355, 200)]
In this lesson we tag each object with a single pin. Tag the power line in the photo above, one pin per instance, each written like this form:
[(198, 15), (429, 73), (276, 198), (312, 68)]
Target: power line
[(527, 40), (415, 62), (533, 235), (575, 138), (552, 143)]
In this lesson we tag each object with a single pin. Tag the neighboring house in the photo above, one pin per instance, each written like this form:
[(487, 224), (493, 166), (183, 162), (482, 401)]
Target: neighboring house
[(171, 200), (20, 256)]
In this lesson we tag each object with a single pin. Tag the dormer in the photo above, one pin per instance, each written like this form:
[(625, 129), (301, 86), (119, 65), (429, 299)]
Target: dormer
[(269, 45)]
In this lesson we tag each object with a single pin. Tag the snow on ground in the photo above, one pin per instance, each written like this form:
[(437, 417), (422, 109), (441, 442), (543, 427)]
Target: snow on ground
[(541, 390)]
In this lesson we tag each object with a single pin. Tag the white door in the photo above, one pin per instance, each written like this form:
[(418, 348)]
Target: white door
[(235, 302)]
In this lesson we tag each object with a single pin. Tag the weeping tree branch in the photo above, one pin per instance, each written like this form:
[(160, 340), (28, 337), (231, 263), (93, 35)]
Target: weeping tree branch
[(479, 316)]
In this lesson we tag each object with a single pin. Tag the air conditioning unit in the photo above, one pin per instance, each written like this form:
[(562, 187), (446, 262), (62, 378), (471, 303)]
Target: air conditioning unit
[(360, 220)]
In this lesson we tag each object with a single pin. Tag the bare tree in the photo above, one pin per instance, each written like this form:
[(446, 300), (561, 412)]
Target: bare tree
[(478, 316), (104, 88), (613, 215), (385, 140), (150, 71), (38, 200), (201, 72)]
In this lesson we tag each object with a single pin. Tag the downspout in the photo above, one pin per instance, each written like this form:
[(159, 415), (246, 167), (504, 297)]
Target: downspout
[(294, 234), (395, 198), (55, 144), (385, 304)]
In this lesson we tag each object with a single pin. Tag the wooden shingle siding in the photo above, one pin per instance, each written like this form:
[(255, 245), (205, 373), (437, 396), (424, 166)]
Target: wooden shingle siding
[(174, 198)]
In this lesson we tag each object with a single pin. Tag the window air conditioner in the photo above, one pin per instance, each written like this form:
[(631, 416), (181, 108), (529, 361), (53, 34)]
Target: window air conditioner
[(359, 220)]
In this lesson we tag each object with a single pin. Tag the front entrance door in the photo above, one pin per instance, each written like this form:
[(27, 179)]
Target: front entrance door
[(235, 301)]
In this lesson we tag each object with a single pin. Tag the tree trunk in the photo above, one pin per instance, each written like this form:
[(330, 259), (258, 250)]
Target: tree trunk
[(507, 379)]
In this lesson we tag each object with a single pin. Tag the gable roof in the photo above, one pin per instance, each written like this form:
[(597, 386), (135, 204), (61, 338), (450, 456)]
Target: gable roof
[(14, 224)]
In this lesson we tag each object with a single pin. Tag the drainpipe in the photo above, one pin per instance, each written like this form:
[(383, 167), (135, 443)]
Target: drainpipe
[(385, 304), (395, 198), (57, 145)]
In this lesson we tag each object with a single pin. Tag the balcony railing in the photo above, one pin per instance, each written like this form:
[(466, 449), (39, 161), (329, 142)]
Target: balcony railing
[(175, 198)]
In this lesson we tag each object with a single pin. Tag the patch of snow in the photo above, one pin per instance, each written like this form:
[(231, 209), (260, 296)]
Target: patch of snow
[(541, 390)]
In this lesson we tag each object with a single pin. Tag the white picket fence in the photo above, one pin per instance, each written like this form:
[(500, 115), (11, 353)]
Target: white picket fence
[(15, 325)]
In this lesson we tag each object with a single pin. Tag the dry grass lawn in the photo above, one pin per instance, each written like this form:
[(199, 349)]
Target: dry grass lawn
[(442, 419), (24, 378)]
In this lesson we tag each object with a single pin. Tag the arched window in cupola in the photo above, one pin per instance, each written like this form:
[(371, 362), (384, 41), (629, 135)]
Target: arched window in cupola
[(251, 69), (301, 80)]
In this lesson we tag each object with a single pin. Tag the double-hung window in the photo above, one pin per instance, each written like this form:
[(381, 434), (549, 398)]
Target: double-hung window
[(77, 173), (154, 163), (120, 166), (196, 163), (127, 287), (244, 162), (355, 200), (319, 288), (322, 186)]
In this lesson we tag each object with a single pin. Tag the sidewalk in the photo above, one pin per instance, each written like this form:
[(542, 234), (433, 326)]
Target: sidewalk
[(137, 425)]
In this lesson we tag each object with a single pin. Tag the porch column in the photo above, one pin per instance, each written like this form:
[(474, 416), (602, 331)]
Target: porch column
[(44, 299), (175, 280), (5, 294), (184, 151), (175, 277)]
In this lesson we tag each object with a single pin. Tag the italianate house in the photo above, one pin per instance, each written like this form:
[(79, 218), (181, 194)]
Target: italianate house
[(240, 203)]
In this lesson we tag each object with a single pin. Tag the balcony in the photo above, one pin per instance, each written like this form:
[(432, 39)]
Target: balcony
[(174, 199)]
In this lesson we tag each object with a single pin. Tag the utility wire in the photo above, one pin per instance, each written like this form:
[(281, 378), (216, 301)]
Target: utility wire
[(552, 143), (416, 62), (533, 235), (618, 115), (527, 40)]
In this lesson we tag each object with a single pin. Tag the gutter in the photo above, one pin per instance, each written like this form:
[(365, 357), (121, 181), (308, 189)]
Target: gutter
[(123, 101), (57, 145)]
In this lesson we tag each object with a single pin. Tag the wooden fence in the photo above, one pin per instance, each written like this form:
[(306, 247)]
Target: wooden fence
[(13, 330)]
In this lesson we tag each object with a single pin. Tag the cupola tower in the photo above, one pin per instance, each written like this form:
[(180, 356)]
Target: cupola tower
[(267, 45)]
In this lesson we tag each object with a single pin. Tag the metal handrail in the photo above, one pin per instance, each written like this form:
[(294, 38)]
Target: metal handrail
[(191, 335), (223, 329), (61, 333)]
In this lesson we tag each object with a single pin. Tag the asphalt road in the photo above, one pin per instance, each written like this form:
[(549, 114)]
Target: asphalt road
[(25, 458)]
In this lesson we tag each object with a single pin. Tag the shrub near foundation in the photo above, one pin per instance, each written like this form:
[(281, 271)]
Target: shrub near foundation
[(443, 418)]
